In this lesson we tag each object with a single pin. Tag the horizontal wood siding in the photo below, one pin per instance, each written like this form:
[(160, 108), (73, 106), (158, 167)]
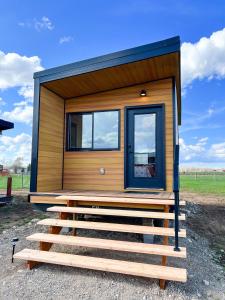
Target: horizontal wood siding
[(50, 149), (81, 169)]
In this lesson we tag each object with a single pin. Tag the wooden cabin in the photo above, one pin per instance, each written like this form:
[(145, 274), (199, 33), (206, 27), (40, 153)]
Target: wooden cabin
[(105, 134), (108, 123)]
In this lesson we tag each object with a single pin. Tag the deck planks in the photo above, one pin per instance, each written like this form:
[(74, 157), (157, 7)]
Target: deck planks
[(115, 212), (107, 244), (112, 227), (115, 199), (103, 264)]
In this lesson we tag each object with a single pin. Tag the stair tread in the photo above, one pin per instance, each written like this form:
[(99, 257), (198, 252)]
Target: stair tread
[(126, 246), (112, 227), (103, 264), (120, 200), (115, 212)]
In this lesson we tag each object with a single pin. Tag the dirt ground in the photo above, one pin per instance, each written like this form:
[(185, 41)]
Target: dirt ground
[(209, 221), (205, 263)]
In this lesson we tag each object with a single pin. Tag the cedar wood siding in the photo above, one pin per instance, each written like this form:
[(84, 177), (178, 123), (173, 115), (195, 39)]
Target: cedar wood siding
[(50, 147), (81, 169)]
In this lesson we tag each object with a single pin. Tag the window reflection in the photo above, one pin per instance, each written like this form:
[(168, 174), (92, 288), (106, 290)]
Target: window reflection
[(145, 145), (106, 130), (81, 131), (95, 130)]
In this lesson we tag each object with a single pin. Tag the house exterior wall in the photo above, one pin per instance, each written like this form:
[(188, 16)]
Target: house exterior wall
[(50, 143), (81, 169)]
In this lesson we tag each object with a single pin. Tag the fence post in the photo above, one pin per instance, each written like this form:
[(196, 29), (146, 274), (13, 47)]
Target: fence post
[(22, 171), (9, 187)]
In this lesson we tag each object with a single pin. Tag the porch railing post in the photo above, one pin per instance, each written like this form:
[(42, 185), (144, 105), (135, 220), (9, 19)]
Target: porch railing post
[(176, 196)]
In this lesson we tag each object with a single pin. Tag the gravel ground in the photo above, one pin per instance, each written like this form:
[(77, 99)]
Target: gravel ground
[(205, 276)]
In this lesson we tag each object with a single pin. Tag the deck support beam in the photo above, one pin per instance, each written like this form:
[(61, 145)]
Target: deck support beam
[(31, 264)]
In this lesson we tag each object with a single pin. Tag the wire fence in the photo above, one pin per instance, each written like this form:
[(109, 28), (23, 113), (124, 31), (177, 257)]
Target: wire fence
[(19, 181), (203, 182), (201, 175), (207, 182)]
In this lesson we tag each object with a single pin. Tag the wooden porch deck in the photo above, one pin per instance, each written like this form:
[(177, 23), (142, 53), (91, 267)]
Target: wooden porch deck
[(128, 193), (53, 198)]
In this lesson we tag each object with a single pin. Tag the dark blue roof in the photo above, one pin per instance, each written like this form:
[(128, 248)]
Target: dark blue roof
[(109, 60), (4, 125)]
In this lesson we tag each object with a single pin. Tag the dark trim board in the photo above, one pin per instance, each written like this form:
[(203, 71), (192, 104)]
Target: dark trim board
[(175, 140), (64, 141), (110, 60), (35, 136)]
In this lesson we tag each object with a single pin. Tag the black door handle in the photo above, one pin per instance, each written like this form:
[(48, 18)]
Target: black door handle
[(130, 149)]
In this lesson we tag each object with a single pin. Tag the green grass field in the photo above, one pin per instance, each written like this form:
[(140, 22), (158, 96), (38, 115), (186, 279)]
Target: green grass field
[(206, 184), (17, 183)]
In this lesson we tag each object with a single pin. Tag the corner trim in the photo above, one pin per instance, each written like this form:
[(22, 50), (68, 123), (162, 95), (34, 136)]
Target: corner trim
[(35, 136)]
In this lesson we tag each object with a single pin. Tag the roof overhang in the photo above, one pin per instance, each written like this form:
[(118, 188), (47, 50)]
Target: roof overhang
[(138, 65), (4, 125)]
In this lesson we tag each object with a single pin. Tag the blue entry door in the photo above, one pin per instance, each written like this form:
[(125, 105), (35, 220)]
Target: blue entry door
[(145, 162)]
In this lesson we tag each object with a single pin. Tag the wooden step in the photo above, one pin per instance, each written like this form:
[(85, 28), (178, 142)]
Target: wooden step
[(112, 227), (108, 244), (115, 212), (120, 200), (103, 264)]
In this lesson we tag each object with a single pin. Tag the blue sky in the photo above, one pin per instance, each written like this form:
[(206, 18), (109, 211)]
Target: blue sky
[(42, 34)]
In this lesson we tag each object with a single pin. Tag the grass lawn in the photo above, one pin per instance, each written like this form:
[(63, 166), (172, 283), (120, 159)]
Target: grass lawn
[(207, 184), (16, 182)]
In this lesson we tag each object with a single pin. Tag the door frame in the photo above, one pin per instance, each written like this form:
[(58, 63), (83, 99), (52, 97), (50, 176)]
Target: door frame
[(163, 148)]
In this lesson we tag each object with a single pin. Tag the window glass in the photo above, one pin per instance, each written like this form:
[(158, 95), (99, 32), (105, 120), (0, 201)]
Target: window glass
[(106, 126), (145, 145), (80, 131), (93, 131)]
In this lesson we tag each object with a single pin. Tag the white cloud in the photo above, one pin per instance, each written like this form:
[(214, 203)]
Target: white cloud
[(205, 119), (17, 70), (204, 59), (218, 150), (43, 24), (188, 152), (27, 92), (202, 153), (13, 147), (22, 24), (2, 102), (203, 140), (22, 113), (65, 39)]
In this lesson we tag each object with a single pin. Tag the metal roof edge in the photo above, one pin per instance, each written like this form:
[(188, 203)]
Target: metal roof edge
[(109, 60)]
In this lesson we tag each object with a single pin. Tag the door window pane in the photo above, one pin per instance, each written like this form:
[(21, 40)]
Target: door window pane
[(80, 131), (106, 130), (145, 145)]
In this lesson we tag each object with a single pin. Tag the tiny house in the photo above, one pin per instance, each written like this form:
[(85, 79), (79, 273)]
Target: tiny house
[(105, 137), (108, 123)]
